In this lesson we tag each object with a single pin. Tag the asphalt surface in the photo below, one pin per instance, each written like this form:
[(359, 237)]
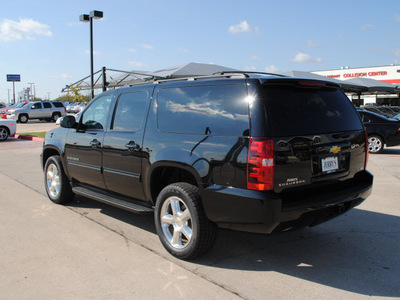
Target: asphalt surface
[(88, 250)]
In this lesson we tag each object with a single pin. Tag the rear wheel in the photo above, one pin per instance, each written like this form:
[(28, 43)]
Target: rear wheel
[(375, 144), (181, 223), (3, 133), (56, 182), (55, 117)]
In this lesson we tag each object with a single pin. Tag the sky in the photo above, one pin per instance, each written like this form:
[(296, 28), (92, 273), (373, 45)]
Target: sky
[(45, 43)]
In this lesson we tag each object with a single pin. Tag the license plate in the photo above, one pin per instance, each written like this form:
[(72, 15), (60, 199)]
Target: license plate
[(329, 164)]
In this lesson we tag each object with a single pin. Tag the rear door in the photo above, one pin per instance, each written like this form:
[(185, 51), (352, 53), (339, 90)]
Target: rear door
[(317, 133), (122, 149)]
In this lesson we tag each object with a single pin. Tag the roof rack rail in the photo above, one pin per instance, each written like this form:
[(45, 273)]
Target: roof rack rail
[(246, 73)]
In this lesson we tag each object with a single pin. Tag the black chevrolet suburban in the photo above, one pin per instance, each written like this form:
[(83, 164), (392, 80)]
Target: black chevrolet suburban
[(250, 152)]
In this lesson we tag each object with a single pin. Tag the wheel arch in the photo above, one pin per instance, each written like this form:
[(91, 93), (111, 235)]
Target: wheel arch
[(163, 174)]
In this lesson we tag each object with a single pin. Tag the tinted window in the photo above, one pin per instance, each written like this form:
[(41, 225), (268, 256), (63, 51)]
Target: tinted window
[(58, 104), (46, 105), (299, 111), (36, 106), (130, 111), (219, 110), (95, 116)]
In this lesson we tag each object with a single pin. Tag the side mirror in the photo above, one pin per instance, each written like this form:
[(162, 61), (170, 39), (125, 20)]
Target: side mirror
[(68, 122)]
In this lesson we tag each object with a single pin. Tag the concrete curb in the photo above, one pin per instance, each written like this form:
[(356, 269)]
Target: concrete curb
[(29, 138)]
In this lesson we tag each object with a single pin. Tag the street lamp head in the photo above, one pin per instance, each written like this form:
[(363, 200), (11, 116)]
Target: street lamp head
[(96, 14), (84, 18)]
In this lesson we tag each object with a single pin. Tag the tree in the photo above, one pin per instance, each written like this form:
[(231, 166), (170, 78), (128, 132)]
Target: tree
[(74, 95)]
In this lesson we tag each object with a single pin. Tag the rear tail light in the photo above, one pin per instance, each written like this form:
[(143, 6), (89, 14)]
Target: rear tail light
[(260, 164), (366, 149)]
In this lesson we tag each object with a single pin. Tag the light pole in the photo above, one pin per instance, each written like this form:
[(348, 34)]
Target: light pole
[(94, 14), (30, 90)]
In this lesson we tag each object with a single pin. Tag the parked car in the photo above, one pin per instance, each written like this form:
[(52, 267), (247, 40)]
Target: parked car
[(77, 108), (69, 108), (381, 131), (42, 110), (242, 151), (3, 112), (375, 109), (7, 129)]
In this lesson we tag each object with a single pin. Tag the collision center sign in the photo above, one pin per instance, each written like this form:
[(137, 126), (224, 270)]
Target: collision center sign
[(390, 74), (13, 77)]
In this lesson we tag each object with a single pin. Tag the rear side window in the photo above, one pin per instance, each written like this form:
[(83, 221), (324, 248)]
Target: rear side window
[(58, 104), (130, 111), (46, 105), (299, 111), (216, 110)]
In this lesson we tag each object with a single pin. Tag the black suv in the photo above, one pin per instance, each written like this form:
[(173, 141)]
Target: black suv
[(243, 151)]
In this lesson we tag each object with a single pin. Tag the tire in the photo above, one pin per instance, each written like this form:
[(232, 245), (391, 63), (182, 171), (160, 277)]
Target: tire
[(55, 117), (23, 118), (181, 223), (4, 133), (56, 182), (375, 144)]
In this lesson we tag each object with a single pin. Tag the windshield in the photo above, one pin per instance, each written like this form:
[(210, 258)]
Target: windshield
[(300, 111), (20, 104)]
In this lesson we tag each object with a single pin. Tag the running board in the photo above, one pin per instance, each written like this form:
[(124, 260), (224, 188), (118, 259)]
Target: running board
[(109, 199)]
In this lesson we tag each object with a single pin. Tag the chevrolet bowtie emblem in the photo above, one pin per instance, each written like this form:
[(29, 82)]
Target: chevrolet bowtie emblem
[(335, 149)]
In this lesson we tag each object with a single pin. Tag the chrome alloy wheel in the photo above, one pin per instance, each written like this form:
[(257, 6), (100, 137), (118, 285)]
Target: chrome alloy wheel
[(53, 180), (176, 222), (3, 134), (375, 144)]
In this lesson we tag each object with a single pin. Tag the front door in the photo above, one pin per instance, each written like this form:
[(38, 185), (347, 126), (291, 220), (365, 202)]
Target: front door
[(122, 148), (83, 148)]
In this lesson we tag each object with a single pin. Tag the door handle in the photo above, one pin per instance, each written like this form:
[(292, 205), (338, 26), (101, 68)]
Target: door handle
[(95, 143), (132, 146)]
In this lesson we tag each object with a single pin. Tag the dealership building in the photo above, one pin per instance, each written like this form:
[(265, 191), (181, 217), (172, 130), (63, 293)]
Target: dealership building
[(389, 74)]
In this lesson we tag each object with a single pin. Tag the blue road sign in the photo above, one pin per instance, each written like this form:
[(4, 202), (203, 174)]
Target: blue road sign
[(13, 77)]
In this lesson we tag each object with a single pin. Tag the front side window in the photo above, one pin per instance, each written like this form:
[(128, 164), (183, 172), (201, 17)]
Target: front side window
[(95, 116), (37, 106), (130, 111), (216, 110)]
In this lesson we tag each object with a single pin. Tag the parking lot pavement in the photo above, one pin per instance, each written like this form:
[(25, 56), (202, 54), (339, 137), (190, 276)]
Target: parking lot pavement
[(91, 250), (35, 126)]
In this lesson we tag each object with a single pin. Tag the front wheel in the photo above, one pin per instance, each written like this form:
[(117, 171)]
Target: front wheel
[(56, 182), (181, 223), (375, 144), (3, 133), (23, 118)]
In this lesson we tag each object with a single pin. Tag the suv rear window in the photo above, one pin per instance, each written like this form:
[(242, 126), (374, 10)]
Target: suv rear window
[(299, 111)]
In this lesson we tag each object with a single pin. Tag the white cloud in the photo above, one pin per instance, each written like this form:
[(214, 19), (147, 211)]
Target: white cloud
[(367, 26), (311, 44), (396, 52), (146, 46), (24, 29), (242, 27), (132, 50), (306, 58), (62, 76), (397, 16), (183, 50), (249, 68), (137, 64), (271, 69), (94, 52), (255, 57)]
